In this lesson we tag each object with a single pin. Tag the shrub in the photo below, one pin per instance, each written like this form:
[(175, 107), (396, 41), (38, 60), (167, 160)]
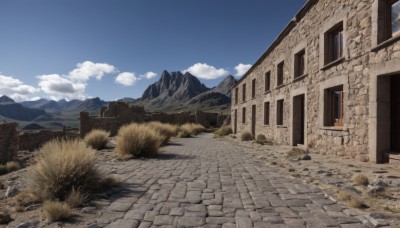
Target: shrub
[(351, 199), (361, 180), (56, 211), (197, 128), (295, 153), (246, 136), (110, 181), (97, 139), (167, 131), (3, 169), (76, 198), (185, 131), (24, 199), (224, 130), (138, 140), (9, 167), (61, 167), (261, 139)]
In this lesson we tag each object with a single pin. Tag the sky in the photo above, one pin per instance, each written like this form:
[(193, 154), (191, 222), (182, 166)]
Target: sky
[(78, 49)]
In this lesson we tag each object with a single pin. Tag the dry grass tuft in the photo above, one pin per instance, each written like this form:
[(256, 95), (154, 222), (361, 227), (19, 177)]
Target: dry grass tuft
[(246, 136), (261, 139), (361, 180), (97, 139), (167, 131), (76, 198), (223, 131), (61, 167), (353, 200), (9, 167), (295, 153), (56, 211), (24, 199), (110, 181), (190, 129), (138, 140)]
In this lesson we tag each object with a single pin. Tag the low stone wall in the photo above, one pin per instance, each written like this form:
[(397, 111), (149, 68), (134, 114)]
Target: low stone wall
[(8, 142), (32, 140)]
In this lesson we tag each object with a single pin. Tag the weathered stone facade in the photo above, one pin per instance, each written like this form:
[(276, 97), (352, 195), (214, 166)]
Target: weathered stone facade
[(117, 114), (32, 140), (365, 61), (8, 142)]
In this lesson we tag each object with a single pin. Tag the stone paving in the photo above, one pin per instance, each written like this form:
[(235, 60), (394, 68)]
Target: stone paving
[(201, 182)]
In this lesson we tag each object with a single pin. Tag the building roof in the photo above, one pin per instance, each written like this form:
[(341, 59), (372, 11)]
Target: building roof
[(303, 11)]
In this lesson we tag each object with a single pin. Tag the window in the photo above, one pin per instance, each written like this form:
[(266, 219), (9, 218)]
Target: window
[(244, 93), (280, 74), (279, 112), (244, 115), (392, 18), (266, 113), (253, 88), (334, 44), (299, 63), (236, 95), (267, 82), (334, 106)]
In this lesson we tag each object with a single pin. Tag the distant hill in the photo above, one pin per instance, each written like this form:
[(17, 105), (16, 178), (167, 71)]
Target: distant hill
[(184, 92), (10, 109), (33, 126)]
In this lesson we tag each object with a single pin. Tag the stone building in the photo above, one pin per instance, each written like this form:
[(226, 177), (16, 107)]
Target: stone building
[(330, 82)]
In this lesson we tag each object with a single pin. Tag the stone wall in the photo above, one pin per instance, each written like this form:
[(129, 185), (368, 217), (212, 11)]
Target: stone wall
[(8, 142), (357, 71), (32, 140)]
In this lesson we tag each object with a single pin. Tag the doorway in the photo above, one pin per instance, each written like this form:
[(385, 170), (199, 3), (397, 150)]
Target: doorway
[(298, 119), (253, 120), (395, 114), (235, 123)]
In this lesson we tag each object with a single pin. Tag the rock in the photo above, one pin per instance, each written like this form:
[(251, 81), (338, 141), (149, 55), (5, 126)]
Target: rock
[(379, 171), (11, 191), (395, 183), (5, 217), (349, 188), (29, 224), (328, 174), (89, 210), (379, 182), (375, 189), (32, 207), (306, 169), (305, 157)]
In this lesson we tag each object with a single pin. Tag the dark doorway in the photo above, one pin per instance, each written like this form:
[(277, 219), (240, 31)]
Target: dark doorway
[(253, 120), (298, 119), (395, 114), (235, 123)]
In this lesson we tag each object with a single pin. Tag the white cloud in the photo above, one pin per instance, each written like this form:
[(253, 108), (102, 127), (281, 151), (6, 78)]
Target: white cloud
[(127, 79), (202, 70), (84, 71), (15, 88), (241, 69), (60, 87), (149, 75)]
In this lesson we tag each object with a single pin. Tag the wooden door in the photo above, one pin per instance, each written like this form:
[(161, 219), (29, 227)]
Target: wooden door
[(253, 120), (235, 123), (302, 122), (395, 114)]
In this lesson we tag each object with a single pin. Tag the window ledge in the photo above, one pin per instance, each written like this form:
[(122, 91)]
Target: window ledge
[(267, 125), (244, 102), (331, 64), (385, 43), (280, 86), (267, 92), (300, 77), (332, 128), (253, 98), (281, 126)]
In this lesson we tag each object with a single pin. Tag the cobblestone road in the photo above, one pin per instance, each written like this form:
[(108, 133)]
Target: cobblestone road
[(201, 182)]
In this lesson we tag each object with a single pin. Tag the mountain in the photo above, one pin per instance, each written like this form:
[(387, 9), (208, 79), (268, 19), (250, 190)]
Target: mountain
[(184, 92), (12, 110)]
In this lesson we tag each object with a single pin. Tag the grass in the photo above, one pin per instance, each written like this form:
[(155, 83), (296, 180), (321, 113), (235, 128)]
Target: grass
[(9, 167), (24, 199), (360, 180), (246, 136), (261, 139), (223, 131), (189, 129), (295, 153), (61, 167), (97, 139), (76, 198), (110, 181), (56, 211), (167, 131), (138, 140), (351, 199)]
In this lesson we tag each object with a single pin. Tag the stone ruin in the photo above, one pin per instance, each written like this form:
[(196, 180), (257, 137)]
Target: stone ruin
[(117, 114), (9, 142)]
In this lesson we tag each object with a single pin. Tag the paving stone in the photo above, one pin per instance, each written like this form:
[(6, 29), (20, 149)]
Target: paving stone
[(163, 220), (150, 216), (219, 220), (177, 211), (190, 221), (124, 223), (119, 206), (243, 222)]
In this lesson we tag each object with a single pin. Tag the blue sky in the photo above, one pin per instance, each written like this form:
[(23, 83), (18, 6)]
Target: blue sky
[(116, 48)]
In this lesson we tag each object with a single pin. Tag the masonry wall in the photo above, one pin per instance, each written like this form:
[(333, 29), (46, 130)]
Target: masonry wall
[(8, 142), (352, 72), (32, 140)]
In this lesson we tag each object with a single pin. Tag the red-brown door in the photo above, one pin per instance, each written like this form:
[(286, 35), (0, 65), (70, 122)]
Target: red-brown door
[(395, 114)]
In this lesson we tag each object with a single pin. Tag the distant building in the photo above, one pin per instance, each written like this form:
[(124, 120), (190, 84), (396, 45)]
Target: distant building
[(330, 82)]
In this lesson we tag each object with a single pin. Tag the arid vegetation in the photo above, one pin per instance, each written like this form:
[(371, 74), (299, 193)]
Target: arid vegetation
[(246, 136), (223, 131), (189, 129), (97, 139)]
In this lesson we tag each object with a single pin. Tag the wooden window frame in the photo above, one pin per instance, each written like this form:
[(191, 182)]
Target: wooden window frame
[(332, 108), (280, 73), (267, 81), (330, 43), (279, 112), (300, 66), (243, 115), (236, 95), (266, 113), (244, 92), (253, 88)]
